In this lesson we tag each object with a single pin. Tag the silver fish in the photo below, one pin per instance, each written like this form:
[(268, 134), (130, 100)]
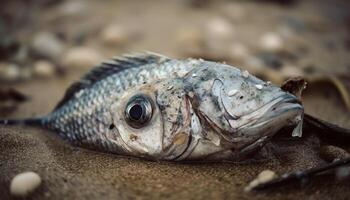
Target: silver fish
[(151, 106)]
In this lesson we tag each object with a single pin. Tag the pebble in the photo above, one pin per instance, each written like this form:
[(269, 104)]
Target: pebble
[(263, 177), (271, 42), (73, 8), (43, 68), (48, 45), (238, 51), (81, 57), (114, 35), (218, 35), (9, 72), (219, 28), (24, 183)]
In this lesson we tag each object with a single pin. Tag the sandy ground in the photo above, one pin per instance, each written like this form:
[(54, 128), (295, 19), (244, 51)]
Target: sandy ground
[(74, 173)]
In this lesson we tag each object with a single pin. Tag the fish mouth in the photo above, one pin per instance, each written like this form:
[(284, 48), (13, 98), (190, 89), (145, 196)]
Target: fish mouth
[(282, 111), (283, 104), (285, 110)]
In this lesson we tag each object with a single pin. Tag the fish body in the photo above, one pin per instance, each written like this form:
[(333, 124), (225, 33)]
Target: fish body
[(151, 106)]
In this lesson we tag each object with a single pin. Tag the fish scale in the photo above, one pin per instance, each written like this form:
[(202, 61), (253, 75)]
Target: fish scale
[(89, 106)]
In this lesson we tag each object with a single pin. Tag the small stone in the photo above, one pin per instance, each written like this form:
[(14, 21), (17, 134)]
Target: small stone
[(24, 183), (264, 177), (43, 68), (219, 28), (81, 57), (238, 51), (271, 42), (114, 35), (73, 8), (47, 45), (9, 72)]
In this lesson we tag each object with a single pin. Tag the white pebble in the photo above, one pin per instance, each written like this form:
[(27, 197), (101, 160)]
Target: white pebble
[(43, 68), (220, 28), (264, 177), (245, 74), (258, 86), (47, 45), (271, 42), (9, 72), (24, 183), (81, 57), (114, 35), (238, 51)]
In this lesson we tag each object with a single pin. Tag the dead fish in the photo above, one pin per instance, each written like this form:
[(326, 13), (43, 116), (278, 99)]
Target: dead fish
[(150, 106)]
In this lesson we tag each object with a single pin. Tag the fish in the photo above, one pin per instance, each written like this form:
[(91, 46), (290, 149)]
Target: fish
[(150, 106)]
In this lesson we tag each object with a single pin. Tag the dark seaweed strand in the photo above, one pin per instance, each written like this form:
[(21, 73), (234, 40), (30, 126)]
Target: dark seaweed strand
[(301, 174), (327, 131)]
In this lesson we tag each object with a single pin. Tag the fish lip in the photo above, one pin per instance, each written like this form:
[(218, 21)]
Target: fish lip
[(276, 107), (283, 110)]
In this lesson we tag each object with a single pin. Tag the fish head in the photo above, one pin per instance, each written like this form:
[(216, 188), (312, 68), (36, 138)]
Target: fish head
[(237, 110), (211, 112)]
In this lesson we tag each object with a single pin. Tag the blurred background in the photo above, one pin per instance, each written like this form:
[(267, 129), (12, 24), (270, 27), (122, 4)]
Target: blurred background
[(47, 44)]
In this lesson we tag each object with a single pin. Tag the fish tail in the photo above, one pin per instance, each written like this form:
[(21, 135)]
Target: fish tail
[(30, 121)]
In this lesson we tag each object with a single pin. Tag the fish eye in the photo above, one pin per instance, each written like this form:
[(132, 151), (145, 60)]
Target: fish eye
[(138, 111)]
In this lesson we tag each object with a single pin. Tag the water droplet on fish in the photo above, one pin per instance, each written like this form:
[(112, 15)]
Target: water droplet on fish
[(245, 74), (232, 92), (258, 86), (170, 87)]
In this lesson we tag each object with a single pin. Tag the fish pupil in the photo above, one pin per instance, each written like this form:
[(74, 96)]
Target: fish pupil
[(135, 112)]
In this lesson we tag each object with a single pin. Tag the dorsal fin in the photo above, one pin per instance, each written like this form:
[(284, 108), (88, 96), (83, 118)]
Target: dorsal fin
[(110, 67)]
